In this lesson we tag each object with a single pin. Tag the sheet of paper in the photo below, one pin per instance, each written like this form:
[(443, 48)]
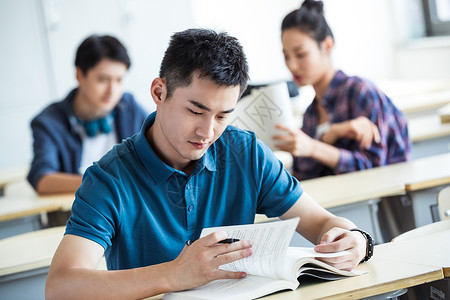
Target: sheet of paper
[(270, 242), (262, 110), (249, 287), (299, 252)]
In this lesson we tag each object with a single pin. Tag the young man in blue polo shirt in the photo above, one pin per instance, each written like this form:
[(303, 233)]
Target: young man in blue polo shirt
[(186, 170), (71, 134)]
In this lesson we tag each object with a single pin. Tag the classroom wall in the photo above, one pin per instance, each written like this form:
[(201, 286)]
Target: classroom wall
[(39, 39)]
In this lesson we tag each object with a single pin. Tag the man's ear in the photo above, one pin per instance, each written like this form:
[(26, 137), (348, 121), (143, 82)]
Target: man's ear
[(158, 90), (79, 75)]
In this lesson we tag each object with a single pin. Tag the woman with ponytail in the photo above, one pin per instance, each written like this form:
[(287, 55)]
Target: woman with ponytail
[(350, 125)]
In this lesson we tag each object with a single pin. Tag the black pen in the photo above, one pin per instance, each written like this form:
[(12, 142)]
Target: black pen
[(228, 241), (225, 241)]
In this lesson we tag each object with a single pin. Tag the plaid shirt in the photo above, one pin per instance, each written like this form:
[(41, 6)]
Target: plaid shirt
[(347, 98)]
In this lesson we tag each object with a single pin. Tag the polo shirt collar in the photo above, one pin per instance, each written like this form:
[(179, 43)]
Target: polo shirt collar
[(209, 159), (160, 171)]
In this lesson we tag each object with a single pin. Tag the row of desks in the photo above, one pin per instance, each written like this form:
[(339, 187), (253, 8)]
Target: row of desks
[(355, 195), (14, 207), (397, 179), (394, 266), (330, 191)]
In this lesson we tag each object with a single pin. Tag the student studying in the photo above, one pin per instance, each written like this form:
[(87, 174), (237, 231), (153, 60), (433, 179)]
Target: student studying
[(273, 266), (350, 125), (71, 134), (184, 171)]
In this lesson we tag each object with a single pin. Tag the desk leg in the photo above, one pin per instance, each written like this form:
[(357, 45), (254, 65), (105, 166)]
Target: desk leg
[(373, 208), (395, 215), (421, 204)]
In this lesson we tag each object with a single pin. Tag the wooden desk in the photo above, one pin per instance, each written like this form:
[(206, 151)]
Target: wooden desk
[(24, 263), (349, 188), (423, 178), (414, 175), (29, 251), (8, 176), (389, 270), (19, 207), (339, 193), (432, 249), (25, 257), (20, 214), (25, 260), (383, 276), (423, 101), (411, 96), (396, 179), (426, 127)]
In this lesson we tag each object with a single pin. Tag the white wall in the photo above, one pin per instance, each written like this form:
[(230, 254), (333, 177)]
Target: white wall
[(39, 39)]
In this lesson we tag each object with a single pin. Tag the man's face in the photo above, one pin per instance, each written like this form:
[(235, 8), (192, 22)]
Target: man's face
[(191, 120), (101, 87)]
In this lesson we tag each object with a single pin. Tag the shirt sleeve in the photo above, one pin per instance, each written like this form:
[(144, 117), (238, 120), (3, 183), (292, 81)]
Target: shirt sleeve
[(279, 190), (45, 159), (96, 209), (373, 104)]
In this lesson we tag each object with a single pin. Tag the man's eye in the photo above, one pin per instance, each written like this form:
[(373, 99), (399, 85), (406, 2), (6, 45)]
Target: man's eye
[(194, 112)]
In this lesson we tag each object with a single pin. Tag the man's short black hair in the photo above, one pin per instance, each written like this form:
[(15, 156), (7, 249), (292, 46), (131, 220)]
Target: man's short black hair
[(95, 48), (211, 55)]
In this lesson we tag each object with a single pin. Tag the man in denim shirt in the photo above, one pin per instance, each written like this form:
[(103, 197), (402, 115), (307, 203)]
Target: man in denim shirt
[(71, 134)]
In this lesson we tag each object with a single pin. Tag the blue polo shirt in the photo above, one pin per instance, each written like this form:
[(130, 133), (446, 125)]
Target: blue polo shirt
[(142, 211)]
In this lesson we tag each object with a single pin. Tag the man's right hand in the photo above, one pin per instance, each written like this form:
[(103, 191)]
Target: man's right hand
[(199, 263)]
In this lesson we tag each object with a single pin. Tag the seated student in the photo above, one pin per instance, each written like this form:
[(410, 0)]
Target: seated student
[(71, 134), (350, 125), (185, 170)]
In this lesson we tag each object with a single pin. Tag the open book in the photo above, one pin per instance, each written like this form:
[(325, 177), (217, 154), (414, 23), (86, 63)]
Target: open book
[(272, 267), (262, 110)]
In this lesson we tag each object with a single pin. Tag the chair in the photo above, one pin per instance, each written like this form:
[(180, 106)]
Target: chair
[(443, 201), (424, 230)]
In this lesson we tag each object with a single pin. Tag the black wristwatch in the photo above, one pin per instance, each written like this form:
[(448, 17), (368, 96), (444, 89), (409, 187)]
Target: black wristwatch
[(369, 243)]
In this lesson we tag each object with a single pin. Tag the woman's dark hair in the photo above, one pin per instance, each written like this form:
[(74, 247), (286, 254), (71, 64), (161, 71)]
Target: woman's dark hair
[(94, 48), (215, 56), (309, 19)]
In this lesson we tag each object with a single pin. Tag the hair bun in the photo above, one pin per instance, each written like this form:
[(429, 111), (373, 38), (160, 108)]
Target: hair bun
[(313, 5)]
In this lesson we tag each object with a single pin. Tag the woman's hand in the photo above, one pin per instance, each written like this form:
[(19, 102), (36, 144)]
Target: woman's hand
[(361, 129), (295, 142)]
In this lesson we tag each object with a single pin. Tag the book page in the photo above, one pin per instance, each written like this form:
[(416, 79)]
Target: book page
[(249, 287), (270, 242), (262, 110), (297, 257)]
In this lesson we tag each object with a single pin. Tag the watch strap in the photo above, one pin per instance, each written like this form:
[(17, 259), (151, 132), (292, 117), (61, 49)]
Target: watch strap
[(369, 243)]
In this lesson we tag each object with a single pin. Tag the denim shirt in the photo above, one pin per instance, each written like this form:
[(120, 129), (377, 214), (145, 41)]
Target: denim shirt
[(57, 145)]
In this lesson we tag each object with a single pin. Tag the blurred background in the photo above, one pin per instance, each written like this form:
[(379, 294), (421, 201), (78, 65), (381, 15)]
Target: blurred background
[(383, 40)]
